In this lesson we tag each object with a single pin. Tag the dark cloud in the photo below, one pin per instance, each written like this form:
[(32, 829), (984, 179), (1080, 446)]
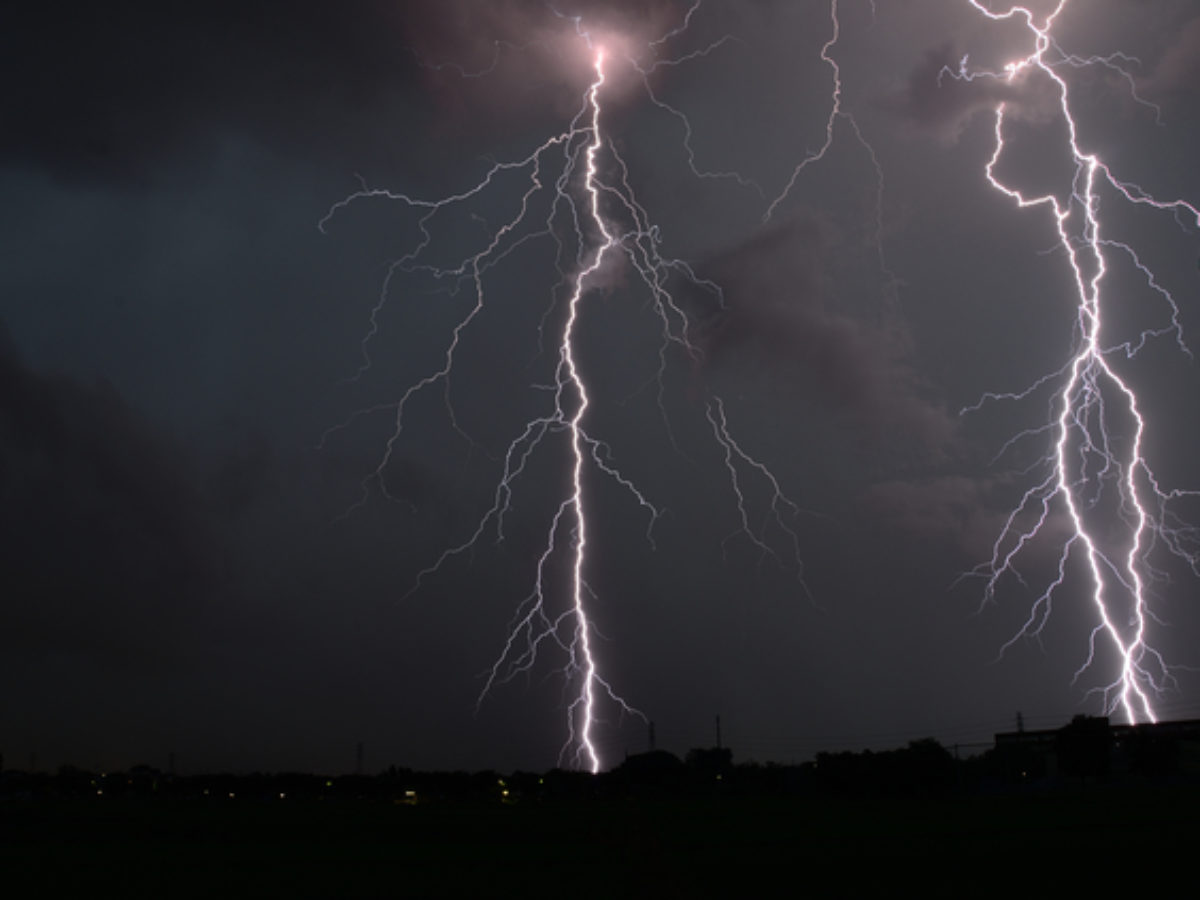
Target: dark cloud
[(782, 309), (1178, 71), (111, 91), (935, 100), (107, 543), (949, 511)]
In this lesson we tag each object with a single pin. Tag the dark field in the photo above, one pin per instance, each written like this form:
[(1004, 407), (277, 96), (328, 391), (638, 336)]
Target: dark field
[(1096, 839)]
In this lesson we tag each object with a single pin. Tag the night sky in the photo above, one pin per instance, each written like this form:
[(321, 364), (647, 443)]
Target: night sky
[(196, 556)]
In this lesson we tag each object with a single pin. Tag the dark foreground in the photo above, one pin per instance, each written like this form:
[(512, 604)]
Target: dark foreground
[(1065, 842)]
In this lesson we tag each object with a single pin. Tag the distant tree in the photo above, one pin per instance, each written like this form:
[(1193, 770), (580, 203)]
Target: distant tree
[(1084, 746), (709, 761), (931, 767)]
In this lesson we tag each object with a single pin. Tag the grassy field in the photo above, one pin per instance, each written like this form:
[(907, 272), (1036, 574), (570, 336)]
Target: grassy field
[(1032, 845)]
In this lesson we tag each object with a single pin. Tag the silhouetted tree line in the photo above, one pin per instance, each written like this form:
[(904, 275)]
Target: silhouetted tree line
[(923, 767), (1086, 750)]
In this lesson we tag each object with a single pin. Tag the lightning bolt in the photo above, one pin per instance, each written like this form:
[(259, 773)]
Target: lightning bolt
[(1095, 469), (593, 220), (583, 709)]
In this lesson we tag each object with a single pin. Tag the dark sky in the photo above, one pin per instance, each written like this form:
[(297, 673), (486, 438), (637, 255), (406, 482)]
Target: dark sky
[(187, 566)]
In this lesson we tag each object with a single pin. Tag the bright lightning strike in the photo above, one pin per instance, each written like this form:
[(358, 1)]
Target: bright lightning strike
[(1096, 469), (584, 708), (594, 221)]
